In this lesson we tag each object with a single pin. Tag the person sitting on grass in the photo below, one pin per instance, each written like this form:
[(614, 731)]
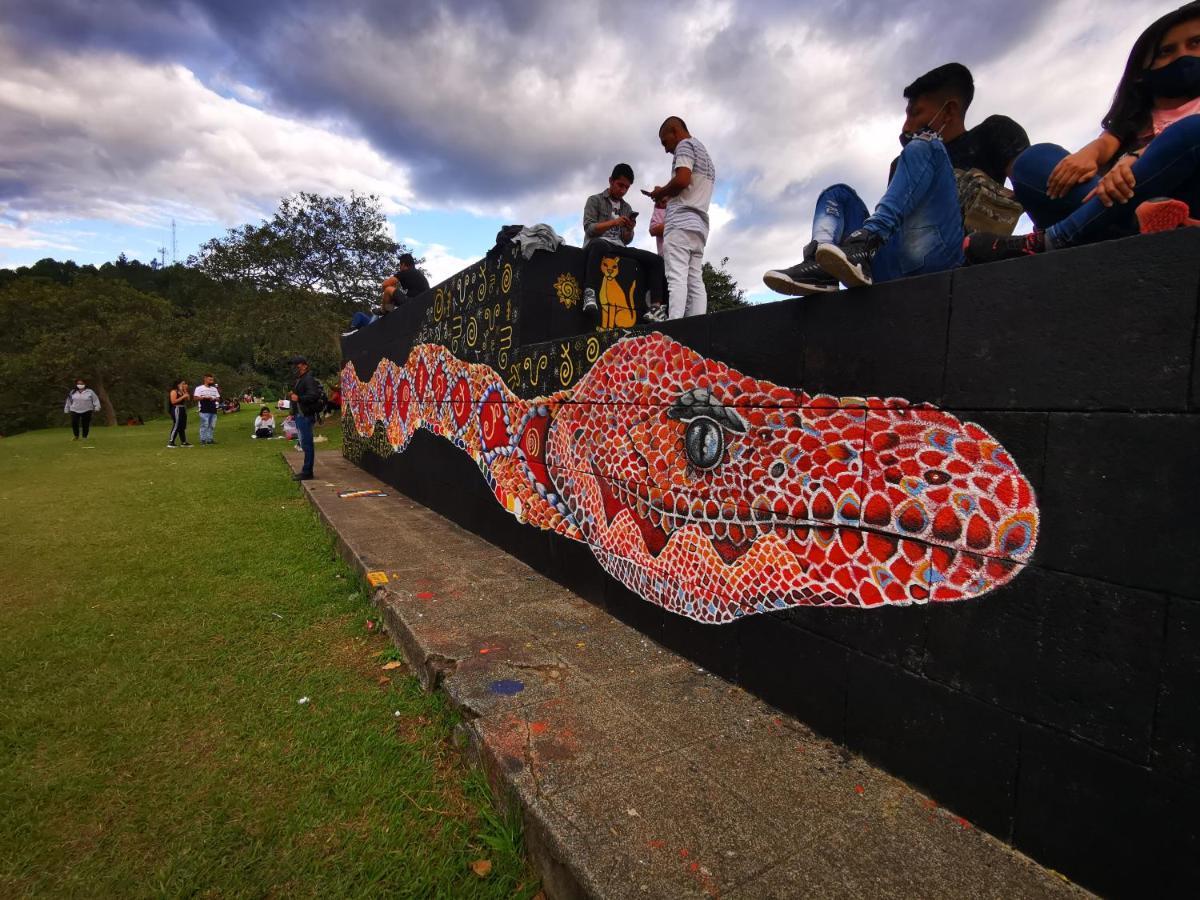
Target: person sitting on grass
[(290, 431), (1147, 158), (917, 228), (264, 424), (608, 223)]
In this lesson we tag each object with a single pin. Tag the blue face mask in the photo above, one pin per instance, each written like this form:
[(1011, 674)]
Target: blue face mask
[(1179, 78)]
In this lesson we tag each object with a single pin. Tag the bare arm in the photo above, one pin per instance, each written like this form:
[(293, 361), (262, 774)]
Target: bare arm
[(678, 183)]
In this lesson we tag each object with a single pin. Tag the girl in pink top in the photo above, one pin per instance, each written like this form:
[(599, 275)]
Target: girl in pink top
[(1149, 150)]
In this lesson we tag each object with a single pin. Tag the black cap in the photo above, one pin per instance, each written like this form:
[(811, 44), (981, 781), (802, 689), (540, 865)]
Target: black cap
[(296, 360)]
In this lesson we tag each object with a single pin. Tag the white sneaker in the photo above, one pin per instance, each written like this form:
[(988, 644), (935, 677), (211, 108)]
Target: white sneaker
[(170, 446), (590, 307)]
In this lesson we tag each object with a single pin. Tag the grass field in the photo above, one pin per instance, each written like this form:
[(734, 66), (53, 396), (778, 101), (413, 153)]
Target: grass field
[(162, 612)]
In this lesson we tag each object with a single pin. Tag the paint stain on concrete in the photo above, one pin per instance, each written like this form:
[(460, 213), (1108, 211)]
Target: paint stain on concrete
[(507, 687)]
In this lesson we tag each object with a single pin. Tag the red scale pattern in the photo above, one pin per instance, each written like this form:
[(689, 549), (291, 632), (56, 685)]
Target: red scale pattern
[(813, 500)]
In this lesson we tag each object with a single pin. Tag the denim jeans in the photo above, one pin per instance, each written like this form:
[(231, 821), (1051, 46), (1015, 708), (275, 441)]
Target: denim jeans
[(362, 319), (918, 217), (304, 425), (208, 422), (1169, 167)]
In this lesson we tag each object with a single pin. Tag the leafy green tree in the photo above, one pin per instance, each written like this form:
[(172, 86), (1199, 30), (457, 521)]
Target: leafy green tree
[(122, 341), (327, 245), (722, 290)]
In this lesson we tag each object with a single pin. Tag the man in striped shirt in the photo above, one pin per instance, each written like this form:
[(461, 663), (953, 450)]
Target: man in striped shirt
[(685, 231)]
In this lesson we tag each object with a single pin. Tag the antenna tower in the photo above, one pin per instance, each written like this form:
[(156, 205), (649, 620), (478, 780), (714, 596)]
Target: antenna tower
[(162, 257), (174, 259)]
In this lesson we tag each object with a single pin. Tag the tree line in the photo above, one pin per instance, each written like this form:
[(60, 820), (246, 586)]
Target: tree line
[(239, 308)]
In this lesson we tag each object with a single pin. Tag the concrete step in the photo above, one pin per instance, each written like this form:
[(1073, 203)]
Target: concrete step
[(638, 774)]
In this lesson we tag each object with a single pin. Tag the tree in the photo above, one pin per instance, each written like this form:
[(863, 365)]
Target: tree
[(330, 245), (122, 341), (723, 292)]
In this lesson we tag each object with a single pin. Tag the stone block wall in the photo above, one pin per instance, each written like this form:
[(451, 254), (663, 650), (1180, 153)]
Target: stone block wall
[(1061, 712)]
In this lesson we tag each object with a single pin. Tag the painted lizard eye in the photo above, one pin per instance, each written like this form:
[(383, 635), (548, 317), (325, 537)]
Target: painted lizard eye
[(704, 442)]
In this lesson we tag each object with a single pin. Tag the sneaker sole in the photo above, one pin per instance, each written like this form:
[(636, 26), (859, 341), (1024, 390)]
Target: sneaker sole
[(1164, 215), (834, 262), (782, 284)]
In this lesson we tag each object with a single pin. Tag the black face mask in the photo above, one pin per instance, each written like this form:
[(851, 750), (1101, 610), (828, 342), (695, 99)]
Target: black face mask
[(1179, 78)]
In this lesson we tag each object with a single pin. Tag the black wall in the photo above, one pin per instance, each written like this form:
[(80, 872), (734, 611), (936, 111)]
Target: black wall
[(1060, 712)]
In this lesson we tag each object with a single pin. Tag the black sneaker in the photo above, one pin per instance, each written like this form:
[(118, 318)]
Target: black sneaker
[(850, 261), (302, 476), (981, 247), (802, 279)]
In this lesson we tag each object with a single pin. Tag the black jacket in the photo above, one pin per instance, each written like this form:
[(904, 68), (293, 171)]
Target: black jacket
[(309, 392)]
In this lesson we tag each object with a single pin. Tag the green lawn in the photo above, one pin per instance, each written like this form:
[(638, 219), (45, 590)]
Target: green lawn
[(162, 612)]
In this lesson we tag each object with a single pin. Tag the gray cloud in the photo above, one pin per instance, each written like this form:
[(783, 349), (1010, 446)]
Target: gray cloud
[(520, 107)]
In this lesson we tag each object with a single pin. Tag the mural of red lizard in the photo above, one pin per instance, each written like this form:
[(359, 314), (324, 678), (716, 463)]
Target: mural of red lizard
[(716, 495)]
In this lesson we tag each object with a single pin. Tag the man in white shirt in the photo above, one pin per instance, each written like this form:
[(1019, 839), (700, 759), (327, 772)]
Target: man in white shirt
[(208, 399), (685, 230)]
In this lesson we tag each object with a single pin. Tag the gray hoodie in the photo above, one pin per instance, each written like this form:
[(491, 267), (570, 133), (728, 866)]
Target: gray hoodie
[(82, 401)]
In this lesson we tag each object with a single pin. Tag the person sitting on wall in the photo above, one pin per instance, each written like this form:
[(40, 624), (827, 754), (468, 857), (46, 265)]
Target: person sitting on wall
[(608, 223), (408, 282), (917, 227), (1148, 151)]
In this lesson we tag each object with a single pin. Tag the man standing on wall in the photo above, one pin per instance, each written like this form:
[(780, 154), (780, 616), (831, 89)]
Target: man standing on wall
[(208, 398), (306, 403), (685, 230)]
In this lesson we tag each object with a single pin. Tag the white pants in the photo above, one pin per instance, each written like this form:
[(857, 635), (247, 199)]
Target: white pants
[(683, 253)]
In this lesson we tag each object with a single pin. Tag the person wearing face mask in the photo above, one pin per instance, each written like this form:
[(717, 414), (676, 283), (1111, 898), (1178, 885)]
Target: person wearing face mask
[(81, 403), (1146, 159), (917, 227)]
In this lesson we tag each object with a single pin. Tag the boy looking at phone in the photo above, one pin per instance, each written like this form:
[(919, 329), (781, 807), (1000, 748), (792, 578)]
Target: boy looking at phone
[(608, 225)]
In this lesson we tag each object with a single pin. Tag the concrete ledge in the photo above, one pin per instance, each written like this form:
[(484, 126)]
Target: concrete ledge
[(636, 773)]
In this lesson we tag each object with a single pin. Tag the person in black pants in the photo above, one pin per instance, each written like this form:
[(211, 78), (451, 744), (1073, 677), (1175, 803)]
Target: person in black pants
[(179, 400), (608, 223), (81, 403), (307, 399)]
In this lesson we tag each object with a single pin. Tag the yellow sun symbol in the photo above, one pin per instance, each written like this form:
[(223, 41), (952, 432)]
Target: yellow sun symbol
[(567, 289)]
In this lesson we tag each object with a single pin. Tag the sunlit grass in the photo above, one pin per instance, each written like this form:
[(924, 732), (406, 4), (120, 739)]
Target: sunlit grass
[(162, 612)]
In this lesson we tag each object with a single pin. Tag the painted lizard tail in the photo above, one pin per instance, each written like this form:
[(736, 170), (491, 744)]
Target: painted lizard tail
[(716, 495)]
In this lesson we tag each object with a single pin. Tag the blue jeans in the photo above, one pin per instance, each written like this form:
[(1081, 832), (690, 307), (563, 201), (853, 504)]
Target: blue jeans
[(304, 425), (918, 217), (1169, 167), (208, 422)]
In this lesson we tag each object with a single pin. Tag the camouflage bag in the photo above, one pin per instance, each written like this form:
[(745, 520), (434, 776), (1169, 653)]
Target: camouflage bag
[(986, 206)]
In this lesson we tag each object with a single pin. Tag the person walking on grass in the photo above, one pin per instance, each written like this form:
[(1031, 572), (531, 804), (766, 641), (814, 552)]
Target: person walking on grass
[(81, 403), (208, 398), (307, 399), (179, 401)]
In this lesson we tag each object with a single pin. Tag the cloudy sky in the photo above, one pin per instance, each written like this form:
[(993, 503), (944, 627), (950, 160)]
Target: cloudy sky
[(464, 115)]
